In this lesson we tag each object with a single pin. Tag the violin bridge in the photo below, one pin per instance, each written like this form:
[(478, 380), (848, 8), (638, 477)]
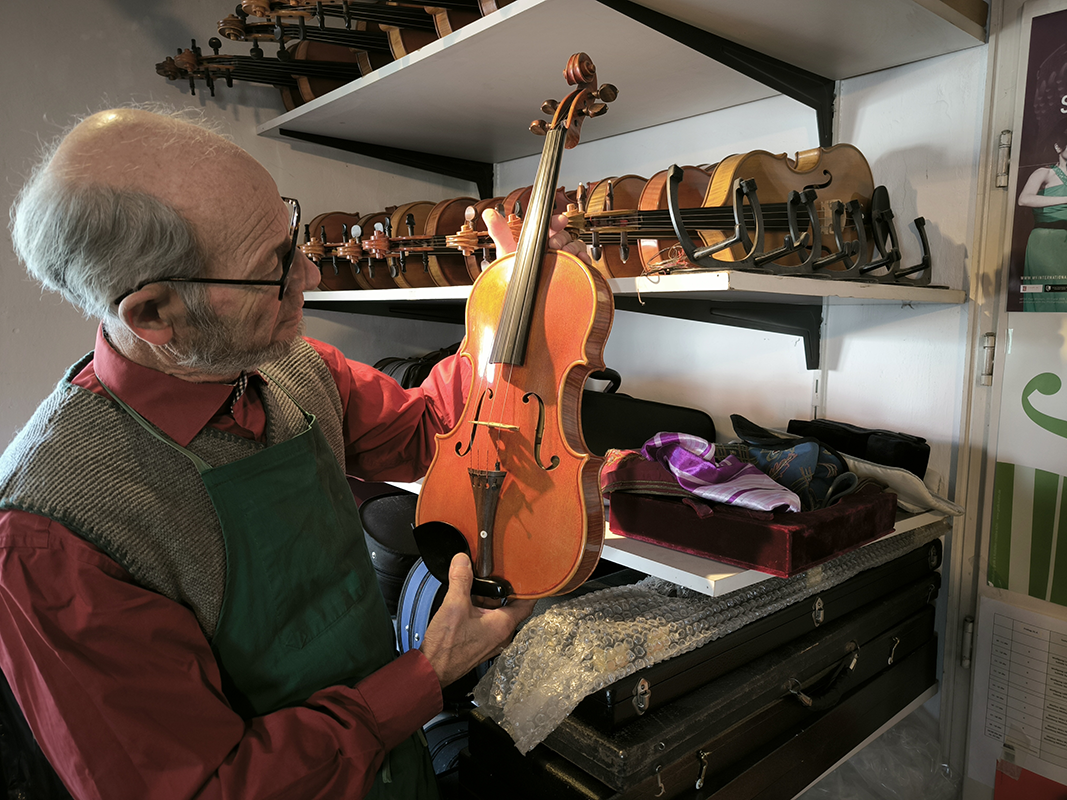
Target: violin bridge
[(486, 485), (501, 426)]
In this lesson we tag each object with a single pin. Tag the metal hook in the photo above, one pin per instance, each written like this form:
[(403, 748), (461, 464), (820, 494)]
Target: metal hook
[(703, 257), (659, 782)]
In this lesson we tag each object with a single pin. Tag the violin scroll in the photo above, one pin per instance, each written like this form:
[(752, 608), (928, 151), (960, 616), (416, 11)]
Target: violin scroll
[(585, 101)]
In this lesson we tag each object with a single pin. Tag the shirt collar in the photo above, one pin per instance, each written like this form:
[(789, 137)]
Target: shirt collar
[(179, 408)]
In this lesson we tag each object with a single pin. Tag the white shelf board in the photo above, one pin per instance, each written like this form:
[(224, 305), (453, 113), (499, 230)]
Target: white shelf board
[(703, 574), (473, 93), (718, 285)]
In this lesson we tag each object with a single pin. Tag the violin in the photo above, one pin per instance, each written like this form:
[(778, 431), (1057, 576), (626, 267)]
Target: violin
[(410, 220), (324, 238), (372, 271), (609, 194), (513, 483), (285, 74)]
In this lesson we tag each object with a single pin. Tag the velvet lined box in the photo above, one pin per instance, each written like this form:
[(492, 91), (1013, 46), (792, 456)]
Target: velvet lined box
[(779, 543)]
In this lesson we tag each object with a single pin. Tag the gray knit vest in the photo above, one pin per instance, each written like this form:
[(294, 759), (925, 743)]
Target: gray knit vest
[(84, 462)]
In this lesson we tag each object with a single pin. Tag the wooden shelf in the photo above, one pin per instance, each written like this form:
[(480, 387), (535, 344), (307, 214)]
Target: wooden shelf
[(702, 574), (473, 93), (727, 285)]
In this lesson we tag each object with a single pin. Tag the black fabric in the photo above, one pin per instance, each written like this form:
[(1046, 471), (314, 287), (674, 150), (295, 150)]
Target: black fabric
[(411, 372), (25, 771), (889, 448), (612, 420)]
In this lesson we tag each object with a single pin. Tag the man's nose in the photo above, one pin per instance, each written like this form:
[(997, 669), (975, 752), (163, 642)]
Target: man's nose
[(309, 272)]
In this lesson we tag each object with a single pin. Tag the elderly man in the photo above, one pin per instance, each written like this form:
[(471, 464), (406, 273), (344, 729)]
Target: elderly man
[(187, 605)]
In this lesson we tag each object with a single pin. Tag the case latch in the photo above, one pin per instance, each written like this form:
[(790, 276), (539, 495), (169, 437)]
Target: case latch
[(818, 612), (642, 694)]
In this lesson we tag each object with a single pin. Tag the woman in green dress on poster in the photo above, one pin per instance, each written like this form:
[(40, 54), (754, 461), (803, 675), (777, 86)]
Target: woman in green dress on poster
[(1045, 192)]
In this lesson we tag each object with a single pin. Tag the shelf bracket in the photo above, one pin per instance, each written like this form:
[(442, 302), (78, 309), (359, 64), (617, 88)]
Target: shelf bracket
[(805, 87), (478, 172), (791, 319)]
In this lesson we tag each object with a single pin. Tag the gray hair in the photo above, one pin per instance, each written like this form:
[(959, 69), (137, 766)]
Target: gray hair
[(91, 242)]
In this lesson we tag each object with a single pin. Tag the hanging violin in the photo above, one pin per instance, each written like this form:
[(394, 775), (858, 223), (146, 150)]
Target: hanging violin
[(513, 484)]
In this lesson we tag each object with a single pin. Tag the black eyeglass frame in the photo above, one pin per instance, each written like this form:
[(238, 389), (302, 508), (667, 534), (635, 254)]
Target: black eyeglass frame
[(287, 264)]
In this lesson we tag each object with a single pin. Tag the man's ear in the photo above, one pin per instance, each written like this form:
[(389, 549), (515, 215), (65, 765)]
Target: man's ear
[(152, 312)]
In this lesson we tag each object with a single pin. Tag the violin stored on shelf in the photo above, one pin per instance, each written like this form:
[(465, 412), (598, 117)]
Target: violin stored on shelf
[(192, 65), (513, 484), (324, 240)]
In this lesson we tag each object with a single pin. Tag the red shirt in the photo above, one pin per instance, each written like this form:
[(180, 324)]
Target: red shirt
[(119, 684)]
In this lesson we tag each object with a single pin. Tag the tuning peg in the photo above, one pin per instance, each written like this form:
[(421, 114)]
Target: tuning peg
[(233, 27), (256, 51), (215, 44), (596, 110), (549, 106), (607, 93), (539, 127)]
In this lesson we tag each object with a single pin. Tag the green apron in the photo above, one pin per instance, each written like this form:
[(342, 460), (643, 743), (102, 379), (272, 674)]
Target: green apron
[(302, 609)]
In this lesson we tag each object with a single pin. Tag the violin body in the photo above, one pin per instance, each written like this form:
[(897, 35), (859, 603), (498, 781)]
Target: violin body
[(691, 194), (337, 273), (448, 269), (371, 272), (410, 220), (549, 519)]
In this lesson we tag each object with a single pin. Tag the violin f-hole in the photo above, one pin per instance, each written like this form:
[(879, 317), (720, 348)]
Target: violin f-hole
[(829, 180), (474, 425), (540, 435)]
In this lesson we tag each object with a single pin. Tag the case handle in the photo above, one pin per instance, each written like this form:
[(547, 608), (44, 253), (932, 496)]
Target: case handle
[(829, 696)]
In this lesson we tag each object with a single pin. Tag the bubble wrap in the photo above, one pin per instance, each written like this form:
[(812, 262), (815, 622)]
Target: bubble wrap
[(581, 645)]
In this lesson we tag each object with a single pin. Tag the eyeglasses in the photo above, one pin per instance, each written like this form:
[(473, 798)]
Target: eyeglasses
[(287, 263)]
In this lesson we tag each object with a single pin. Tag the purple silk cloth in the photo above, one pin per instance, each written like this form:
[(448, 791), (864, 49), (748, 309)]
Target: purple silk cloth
[(691, 460)]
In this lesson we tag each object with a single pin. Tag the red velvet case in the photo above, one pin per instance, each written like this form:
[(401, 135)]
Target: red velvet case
[(781, 543)]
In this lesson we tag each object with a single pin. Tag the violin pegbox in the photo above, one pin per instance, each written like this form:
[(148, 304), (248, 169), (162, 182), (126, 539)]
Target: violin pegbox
[(585, 101)]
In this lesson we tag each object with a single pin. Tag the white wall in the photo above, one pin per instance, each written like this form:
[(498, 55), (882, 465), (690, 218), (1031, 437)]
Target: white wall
[(919, 127), (93, 54)]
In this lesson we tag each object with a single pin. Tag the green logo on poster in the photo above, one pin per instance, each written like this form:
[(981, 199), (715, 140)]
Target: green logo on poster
[(1048, 384)]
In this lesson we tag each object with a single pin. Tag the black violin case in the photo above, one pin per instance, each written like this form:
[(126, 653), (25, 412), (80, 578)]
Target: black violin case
[(767, 728), (630, 698)]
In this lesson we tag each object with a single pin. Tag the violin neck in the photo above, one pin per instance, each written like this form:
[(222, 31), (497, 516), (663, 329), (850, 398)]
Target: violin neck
[(509, 347)]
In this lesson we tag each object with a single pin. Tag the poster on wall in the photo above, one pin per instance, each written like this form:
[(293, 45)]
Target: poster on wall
[(1028, 527), (1018, 729), (1037, 277)]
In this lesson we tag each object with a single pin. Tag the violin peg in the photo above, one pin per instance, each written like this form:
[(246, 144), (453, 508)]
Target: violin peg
[(233, 28), (255, 8), (215, 44), (596, 110), (539, 127), (607, 93), (549, 106)]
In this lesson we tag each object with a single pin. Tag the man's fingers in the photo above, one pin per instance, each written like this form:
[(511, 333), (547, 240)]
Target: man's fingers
[(499, 231)]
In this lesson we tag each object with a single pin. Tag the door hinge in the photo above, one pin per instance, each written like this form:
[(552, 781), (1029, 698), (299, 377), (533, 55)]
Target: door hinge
[(967, 645), (1003, 159), (989, 345)]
